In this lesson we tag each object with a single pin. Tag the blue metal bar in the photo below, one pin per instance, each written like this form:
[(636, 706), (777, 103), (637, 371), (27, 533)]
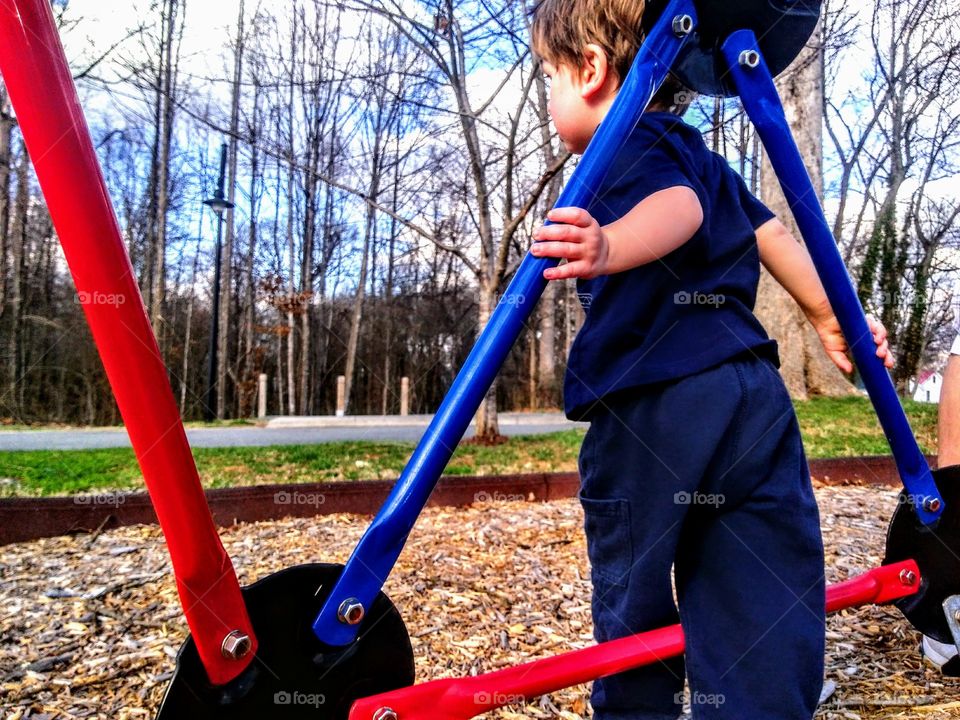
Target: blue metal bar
[(378, 549), (762, 103)]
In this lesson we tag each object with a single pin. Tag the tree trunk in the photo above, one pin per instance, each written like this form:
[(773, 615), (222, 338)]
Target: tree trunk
[(388, 288), (6, 136), (368, 234), (250, 362), (356, 315), (291, 208), (185, 374), (548, 389), (226, 287), (487, 426), (153, 187), (532, 367), (331, 237), (307, 266), (250, 370), (306, 293), (291, 325), (158, 272), (805, 367), (18, 234)]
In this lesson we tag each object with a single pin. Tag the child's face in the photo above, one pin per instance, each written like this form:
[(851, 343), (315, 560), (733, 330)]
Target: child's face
[(573, 115)]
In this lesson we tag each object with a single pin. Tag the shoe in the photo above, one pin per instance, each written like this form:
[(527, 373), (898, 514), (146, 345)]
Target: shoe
[(942, 656)]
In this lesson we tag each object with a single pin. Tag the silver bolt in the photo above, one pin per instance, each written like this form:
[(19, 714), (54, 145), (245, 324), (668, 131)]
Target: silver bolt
[(385, 713), (908, 577), (682, 25), (750, 59), (931, 504), (350, 611), (236, 645)]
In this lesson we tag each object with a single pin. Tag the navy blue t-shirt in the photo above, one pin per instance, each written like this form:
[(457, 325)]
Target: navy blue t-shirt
[(693, 308)]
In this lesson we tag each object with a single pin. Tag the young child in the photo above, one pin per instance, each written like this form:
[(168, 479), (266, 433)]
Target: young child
[(693, 457)]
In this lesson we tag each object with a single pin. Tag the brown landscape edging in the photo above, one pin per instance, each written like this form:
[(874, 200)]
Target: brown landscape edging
[(23, 519)]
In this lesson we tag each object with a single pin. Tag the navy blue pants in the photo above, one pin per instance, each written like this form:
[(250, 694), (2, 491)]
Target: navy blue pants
[(706, 474)]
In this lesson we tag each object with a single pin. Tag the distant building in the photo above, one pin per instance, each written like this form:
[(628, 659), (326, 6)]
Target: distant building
[(926, 388)]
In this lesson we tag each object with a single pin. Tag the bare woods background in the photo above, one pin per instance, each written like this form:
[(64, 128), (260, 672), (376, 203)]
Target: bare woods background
[(388, 166)]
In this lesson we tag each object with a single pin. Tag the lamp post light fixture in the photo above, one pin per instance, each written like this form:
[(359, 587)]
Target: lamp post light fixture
[(219, 205)]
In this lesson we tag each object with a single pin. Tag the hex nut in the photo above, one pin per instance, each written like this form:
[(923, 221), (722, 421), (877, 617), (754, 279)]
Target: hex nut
[(750, 59), (351, 611), (682, 25), (236, 645)]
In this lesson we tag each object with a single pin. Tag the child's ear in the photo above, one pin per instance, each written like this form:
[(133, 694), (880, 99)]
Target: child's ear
[(594, 70)]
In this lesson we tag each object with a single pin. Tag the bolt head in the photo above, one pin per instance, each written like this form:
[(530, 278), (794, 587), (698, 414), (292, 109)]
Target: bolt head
[(236, 645), (385, 713), (750, 59), (682, 25), (908, 577), (350, 611)]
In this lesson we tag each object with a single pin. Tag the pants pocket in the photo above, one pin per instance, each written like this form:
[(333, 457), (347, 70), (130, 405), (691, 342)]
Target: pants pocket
[(609, 546)]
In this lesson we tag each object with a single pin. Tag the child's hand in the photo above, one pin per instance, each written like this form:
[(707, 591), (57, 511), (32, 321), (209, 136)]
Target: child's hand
[(836, 346), (576, 237)]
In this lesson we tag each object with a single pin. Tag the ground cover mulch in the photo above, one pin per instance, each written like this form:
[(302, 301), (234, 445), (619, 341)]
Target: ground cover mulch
[(89, 625)]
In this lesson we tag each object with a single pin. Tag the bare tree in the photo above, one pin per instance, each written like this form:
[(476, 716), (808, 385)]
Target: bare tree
[(805, 367), (451, 44), (165, 84), (248, 362), (7, 124), (383, 106), (850, 126), (227, 286), (17, 240), (546, 393)]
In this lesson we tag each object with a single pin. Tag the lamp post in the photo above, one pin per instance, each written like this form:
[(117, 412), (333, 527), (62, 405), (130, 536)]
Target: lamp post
[(219, 205)]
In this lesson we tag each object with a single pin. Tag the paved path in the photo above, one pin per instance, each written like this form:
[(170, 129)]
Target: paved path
[(281, 431)]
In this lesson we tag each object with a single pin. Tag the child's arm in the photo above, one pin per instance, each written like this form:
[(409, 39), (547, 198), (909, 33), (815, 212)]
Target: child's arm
[(791, 266), (655, 227)]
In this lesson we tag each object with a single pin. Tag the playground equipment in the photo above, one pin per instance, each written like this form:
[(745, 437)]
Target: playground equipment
[(327, 632)]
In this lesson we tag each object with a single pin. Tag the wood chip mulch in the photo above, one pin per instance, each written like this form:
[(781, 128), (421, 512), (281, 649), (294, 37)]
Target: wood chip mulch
[(89, 625)]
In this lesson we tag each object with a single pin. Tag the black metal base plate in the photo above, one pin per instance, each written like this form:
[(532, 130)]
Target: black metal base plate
[(293, 674), (782, 27), (936, 551)]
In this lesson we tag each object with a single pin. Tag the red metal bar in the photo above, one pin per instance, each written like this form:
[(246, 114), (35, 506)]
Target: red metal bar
[(44, 98), (461, 698), (878, 586)]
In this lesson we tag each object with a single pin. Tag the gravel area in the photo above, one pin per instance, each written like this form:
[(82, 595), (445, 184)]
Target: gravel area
[(89, 626)]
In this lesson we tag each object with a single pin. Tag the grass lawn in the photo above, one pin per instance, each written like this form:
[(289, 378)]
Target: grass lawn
[(831, 428)]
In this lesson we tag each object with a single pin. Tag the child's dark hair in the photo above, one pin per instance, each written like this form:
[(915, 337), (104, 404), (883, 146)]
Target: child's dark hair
[(562, 28)]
